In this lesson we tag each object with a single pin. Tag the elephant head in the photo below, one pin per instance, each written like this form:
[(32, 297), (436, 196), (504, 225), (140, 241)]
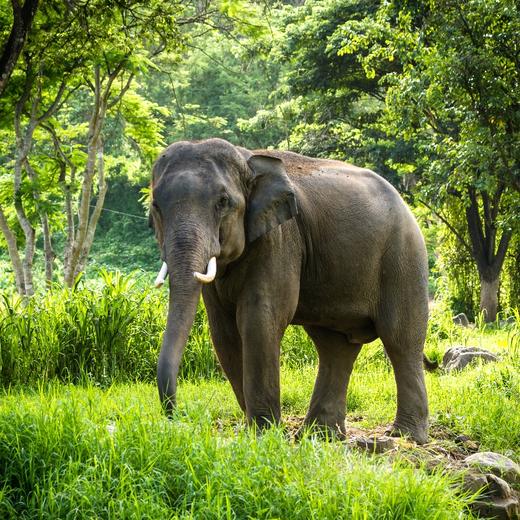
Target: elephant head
[(210, 199)]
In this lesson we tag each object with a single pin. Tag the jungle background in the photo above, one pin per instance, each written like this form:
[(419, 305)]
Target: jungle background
[(427, 94)]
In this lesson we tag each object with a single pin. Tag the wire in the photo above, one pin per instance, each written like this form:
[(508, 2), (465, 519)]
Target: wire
[(121, 213)]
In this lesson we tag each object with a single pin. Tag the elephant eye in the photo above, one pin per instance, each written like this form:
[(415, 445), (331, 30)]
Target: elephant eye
[(155, 210), (222, 203)]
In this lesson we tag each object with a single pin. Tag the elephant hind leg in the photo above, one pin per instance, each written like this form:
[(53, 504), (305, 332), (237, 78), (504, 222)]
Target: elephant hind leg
[(401, 323), (412, 404), (403, 337), (336, 359)]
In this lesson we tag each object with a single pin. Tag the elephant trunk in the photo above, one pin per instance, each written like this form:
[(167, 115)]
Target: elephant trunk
[(186, 252)]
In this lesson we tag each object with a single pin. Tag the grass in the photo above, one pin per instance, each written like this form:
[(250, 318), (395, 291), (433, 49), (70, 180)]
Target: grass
[(101, 448), (105, 332), (83, 451), (86, 452)]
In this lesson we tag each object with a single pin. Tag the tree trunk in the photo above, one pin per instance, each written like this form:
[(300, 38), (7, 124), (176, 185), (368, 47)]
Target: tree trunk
[(10, 238), (489, 298), (78, 248), (72, 269), (48, 251), (488, 256), (69, 243), (25, 224), (24, 141), (27, 263), (44, 220), (96, 213)]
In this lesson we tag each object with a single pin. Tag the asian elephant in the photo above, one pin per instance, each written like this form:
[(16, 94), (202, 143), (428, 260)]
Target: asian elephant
[(314, 242)]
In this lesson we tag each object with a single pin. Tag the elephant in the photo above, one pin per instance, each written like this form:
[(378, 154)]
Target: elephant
[(273, 238)]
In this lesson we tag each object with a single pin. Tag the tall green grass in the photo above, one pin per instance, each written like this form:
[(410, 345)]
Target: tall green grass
[(105, 332), (69, 452), (110, 331), (103, 449), (100, 334)]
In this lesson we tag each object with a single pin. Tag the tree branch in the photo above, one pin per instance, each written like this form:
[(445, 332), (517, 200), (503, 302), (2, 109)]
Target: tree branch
[(55, 104), (459, 237), (22, 21), (502, 250), (118, 97)]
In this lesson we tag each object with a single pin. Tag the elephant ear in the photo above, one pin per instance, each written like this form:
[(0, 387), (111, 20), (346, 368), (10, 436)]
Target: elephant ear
[(272, 200)]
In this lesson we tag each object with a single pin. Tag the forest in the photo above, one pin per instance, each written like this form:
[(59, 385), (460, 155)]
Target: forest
[(424, 93)]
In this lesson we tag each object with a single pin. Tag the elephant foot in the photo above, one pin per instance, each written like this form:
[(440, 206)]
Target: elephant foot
[(169, 407), (418, 433), (326, 429), (260, 423)]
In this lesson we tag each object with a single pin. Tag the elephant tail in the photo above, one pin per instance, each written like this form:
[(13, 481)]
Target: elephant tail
[(430, 365)]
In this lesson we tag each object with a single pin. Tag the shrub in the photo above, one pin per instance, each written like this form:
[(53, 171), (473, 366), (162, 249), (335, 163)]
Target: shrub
[(106, 333), (109, 331)]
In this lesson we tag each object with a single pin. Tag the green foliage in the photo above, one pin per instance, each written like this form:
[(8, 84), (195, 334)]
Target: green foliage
[(73, 103), (338, 106), (459, 285), (124, 240), (423, 93), (100, 450), (451, 97), (101, 334), (298, 350), (105, 447), (104, 334), (107, 330), (220, 84), (141, 123)]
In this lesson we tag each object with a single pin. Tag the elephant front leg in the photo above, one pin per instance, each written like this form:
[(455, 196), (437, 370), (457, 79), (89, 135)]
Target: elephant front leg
[(261, 337), (227, 342)]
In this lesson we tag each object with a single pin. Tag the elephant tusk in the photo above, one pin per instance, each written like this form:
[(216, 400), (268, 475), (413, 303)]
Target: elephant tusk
[(161, 276), (210, 273)]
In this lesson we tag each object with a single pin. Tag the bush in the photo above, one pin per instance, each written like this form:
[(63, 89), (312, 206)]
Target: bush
[(107, 332), (101, 334)]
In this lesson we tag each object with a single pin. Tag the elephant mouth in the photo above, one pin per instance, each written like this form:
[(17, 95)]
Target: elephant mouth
[(207, 277)]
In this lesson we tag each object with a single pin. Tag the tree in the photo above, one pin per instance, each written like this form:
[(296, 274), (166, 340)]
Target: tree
[(334, 106), (456, 98), (37, 91), (99, 49), (223, 79)]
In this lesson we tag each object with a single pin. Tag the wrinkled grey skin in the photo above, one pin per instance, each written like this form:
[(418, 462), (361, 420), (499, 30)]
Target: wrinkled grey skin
[(313, 242)]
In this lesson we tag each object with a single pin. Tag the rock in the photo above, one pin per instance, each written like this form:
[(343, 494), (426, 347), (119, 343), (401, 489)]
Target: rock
[(466, 443), (498, 487), (489, 485), (496, 500), (375, 444), (474, 482), (461, 319), (495, 463), (458, 357), (499, 508), (465, 359), (452, 353)]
